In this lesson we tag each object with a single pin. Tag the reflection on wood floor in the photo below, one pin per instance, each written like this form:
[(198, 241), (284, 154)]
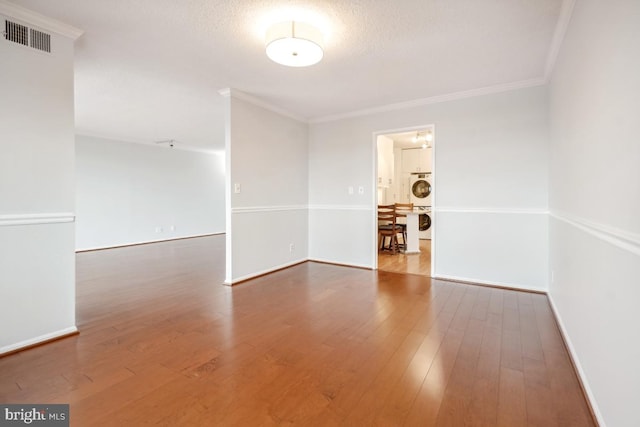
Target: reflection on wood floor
[(162, 342), (411, 264)]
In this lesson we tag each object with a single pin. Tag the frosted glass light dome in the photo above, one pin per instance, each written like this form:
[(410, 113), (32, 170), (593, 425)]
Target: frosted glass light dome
[(294, 44)]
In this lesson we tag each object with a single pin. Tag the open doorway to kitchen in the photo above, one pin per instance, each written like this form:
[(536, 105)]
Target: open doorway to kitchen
[(405, 182)]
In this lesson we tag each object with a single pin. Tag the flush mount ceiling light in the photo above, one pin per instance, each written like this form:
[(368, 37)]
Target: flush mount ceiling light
[(294, 44)]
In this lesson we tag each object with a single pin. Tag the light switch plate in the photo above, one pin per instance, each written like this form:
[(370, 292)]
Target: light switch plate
[(236, 187)]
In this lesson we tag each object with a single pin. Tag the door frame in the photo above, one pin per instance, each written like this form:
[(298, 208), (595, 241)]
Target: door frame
[(374, 207)]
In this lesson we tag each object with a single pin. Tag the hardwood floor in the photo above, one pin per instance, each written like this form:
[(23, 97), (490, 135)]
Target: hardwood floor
[(163, 342), (407, 264)]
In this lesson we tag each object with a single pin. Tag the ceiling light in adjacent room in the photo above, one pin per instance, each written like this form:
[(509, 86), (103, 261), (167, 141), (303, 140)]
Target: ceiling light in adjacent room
[(428, 137), (294, 44)]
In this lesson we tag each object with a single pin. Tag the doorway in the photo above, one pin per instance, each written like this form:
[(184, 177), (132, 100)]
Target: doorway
[(405, 178)]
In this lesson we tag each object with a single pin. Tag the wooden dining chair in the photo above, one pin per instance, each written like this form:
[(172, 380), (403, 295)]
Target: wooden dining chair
[(388, 227), (399, 208)]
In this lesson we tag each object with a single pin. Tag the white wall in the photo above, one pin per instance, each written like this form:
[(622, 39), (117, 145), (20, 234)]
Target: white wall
[(595, 202), (266, 155), (125, 192), (490, 179), (37, 262)]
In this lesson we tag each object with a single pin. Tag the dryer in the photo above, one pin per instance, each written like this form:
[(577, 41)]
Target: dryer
[(420, 189)]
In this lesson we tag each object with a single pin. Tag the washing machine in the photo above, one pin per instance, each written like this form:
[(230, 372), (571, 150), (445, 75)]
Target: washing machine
[(420, 189), (424, 223)]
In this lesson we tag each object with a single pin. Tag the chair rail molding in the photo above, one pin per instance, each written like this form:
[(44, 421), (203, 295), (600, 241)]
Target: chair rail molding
[(282, 208), (36, 218), (488, 210), (618, 237), (340, 208)]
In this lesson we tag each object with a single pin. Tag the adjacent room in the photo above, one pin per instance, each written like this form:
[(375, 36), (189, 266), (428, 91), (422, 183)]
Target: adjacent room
[(320, 213)]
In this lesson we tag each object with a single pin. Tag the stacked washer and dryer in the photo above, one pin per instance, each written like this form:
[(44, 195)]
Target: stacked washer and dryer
[(420, 195)]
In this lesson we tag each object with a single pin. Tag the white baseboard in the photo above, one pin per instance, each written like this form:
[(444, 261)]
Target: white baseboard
[(491, 283), (343, 264), (235, 280), (37, 340), (576, 363), (144, 242)]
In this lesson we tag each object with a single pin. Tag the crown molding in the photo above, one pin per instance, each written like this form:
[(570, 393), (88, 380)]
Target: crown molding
[(33, 18), (566, 11), (433, 100), (238, 94)]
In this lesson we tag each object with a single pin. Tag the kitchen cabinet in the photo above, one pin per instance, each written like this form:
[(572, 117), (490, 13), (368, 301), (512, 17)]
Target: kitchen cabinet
[(416, 160), (385, 162)]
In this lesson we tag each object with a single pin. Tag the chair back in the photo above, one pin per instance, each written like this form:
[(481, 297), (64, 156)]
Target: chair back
[(387, 214), (403, 207)]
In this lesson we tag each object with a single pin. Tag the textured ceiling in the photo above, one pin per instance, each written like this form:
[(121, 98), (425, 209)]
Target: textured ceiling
[(151, 69)]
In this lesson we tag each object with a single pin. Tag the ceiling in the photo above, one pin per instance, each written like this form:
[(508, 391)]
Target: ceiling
[(408, 139), (149, 70)]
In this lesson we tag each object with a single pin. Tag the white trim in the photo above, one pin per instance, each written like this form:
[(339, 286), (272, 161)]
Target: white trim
[(263, 272), (254, 209), (490, 283), (33, 219), (374, 203), (566, 10), (177, 145), (235, 93), (576, 363), (491, 210), (33, 341), (432, 100), (144, 242), (621, 238), (340, 208), (340, 263), (38, 20)]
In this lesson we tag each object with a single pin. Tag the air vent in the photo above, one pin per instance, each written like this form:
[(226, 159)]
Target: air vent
[(39, 40), (16, 33), (26, 36)]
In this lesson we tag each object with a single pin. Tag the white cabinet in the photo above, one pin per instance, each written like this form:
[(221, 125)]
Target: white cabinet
[(385, 162), (416, 160)]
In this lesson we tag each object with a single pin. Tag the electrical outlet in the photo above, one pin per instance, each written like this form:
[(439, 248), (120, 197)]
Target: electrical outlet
[(291, 247), (236, 188), (158, 229), (361, 190), (172, 228)]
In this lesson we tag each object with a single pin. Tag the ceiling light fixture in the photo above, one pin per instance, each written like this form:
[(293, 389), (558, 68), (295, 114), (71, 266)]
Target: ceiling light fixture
[(294, 44), (428, 137)]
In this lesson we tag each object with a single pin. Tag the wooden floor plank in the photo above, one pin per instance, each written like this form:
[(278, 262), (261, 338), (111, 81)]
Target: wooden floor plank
[(512, 409), (164, 342)]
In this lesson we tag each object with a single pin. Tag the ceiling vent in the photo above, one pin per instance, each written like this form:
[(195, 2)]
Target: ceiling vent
[(26, 36)]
